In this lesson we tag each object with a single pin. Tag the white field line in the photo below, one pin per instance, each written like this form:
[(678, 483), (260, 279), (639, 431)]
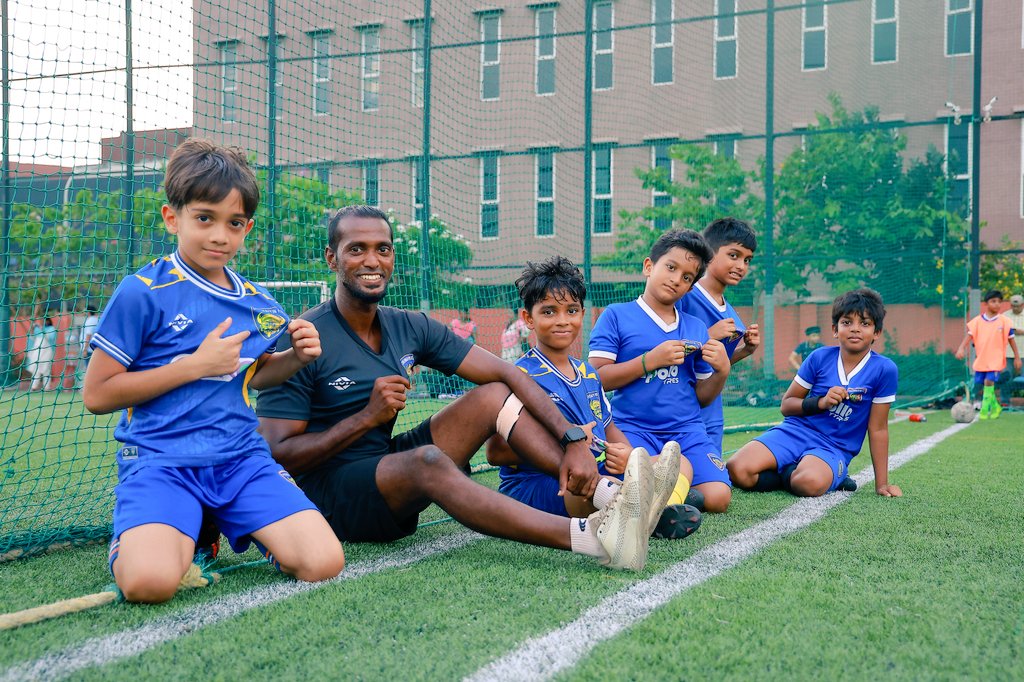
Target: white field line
[(103, 650), (543, 657)]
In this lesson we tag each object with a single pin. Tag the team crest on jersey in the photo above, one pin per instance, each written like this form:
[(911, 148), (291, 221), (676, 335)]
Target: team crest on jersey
[(268, 322), (288, 477), (717, 461), (180, 322), (408, 361), (855, 395), (595, 407), (735, 336), (691, 346)]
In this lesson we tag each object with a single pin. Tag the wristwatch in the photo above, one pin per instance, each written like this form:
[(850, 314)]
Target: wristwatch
[(572, 435)]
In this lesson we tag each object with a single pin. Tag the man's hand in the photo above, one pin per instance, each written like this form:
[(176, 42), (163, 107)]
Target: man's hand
[(835, 395), (714, 354), (889, 490), (578, 473), (723, 329), (752, 337), (616, 455), (387, 399), (218, 355), (305, 341)]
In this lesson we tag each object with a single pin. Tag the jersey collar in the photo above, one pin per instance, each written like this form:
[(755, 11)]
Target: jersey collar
[(236, 291), (843, 378), (665, 326), (576, 364), (710, 298)]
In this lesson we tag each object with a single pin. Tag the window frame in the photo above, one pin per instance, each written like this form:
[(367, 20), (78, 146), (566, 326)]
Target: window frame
[(321, 71), (719, 38), (950, 13), (366, 76), (546, 200), (492, 202), (670, 45), (371, 166), (494, 64), (223, 48), (658, 197), (876, 23), (805, 30), (610, 50), (609, 196), (417, 68), (544, 58)]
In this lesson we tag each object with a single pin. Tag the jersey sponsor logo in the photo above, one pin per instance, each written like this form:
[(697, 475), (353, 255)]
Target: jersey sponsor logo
[(180, 322), (268, 322), (842, 465), (408, 361), (583, 525), (341, 383), (667, 375), (841, 412)]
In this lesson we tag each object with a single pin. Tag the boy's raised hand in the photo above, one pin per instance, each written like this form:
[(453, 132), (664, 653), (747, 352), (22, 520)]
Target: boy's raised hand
[(714, 354), (722, 329), (305, 340), (616, 455), (219, 355), (752, 337), (665, 354), (835, 395)]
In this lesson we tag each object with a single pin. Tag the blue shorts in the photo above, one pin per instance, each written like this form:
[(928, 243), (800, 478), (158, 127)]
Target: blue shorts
[(982, 377), (703, 455), (790, 443), (534, 489), (242, 495)]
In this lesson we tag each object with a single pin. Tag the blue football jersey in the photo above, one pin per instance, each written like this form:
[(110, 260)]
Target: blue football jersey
[(702, 305), (873, 380), (163, 313), (581, 398), (664, 399)]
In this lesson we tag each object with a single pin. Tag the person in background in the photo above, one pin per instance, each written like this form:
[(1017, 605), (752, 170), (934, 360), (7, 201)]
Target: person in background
[(513, 339), (42, 346), (92, 319), (1012, 380), (464, 326), (806, 347)]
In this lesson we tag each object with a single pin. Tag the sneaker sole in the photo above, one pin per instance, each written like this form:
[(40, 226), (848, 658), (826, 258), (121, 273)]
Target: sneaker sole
[(677, 521), (666, 473), (622, 531)]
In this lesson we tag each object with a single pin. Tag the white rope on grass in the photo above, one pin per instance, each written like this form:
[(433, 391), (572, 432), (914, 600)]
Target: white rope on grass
[(543, 657)]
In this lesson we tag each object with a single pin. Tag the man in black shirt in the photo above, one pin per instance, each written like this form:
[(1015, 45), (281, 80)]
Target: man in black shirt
[(331, 424)]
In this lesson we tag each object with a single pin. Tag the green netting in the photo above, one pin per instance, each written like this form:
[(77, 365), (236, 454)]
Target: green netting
[(846, 132)]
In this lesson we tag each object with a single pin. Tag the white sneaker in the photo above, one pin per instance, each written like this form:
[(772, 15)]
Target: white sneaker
[(622, 529), (666, 473)]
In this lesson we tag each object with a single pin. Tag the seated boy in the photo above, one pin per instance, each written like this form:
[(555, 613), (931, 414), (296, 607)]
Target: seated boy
[(179, 345), (663, 366), (553, 293), (839, 394), (733, 243)]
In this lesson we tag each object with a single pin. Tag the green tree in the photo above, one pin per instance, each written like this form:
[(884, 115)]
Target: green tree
[(849, 211), (450, 255), (712, 186)]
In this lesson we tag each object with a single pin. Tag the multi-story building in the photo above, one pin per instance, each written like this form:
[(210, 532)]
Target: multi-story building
[(505, 89)]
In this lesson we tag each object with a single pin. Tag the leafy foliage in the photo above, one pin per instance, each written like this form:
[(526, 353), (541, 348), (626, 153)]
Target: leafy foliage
[(449, 255)]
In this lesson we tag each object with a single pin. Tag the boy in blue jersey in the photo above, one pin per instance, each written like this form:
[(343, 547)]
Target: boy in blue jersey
[(734, 244), (179, 345), (664, 367), (553, 293), (839, 394)]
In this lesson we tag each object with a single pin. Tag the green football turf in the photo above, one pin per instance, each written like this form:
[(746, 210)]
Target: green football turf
[(921, 587)]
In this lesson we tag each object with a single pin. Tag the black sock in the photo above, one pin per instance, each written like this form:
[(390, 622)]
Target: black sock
[(767, 481), (786, 474)]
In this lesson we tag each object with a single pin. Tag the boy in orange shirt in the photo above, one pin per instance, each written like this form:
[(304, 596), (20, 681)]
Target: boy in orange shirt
[(990, 332)]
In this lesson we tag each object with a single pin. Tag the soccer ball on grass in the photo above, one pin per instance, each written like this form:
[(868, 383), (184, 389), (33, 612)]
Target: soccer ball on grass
[(962, 412)]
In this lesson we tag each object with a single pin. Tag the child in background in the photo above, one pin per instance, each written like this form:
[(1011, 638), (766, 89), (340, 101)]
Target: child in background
[(990, 332), (839, 394), (553, 293), (806, 347), (664, 367), (733, 243), (42, 346), (178, 348)]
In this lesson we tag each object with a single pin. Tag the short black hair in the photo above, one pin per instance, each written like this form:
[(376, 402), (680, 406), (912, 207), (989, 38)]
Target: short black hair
[(864, 302), (992, 293), (556, 276), (356, 211), (688, 240), (201, 170), (812, 330), (730, 231)]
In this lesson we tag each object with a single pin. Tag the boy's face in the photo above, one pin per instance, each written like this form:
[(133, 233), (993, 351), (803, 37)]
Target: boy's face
[(814, 337), (672, 276), (855, 333), (557, 320), (993, 305), (730, 264), (209, 234)]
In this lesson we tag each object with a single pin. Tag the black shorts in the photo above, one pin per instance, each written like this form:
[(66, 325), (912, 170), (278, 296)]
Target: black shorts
[(349, 499)]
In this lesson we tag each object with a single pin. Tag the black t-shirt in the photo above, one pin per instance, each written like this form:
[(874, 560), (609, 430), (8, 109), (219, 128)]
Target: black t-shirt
[(339, 383)]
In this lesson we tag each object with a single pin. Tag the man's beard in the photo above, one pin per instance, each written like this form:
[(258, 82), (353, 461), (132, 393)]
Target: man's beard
[(363, 296)]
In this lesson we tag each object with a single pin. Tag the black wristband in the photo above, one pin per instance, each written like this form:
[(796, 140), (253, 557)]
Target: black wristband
[(810, 405)]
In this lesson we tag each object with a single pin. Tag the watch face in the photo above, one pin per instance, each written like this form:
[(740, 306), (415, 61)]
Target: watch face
[(573, 434)]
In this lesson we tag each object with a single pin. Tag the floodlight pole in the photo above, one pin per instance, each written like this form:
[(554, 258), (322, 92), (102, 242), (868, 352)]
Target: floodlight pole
[(768, 338), (588, 168), (974, 285), (271, 231)]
